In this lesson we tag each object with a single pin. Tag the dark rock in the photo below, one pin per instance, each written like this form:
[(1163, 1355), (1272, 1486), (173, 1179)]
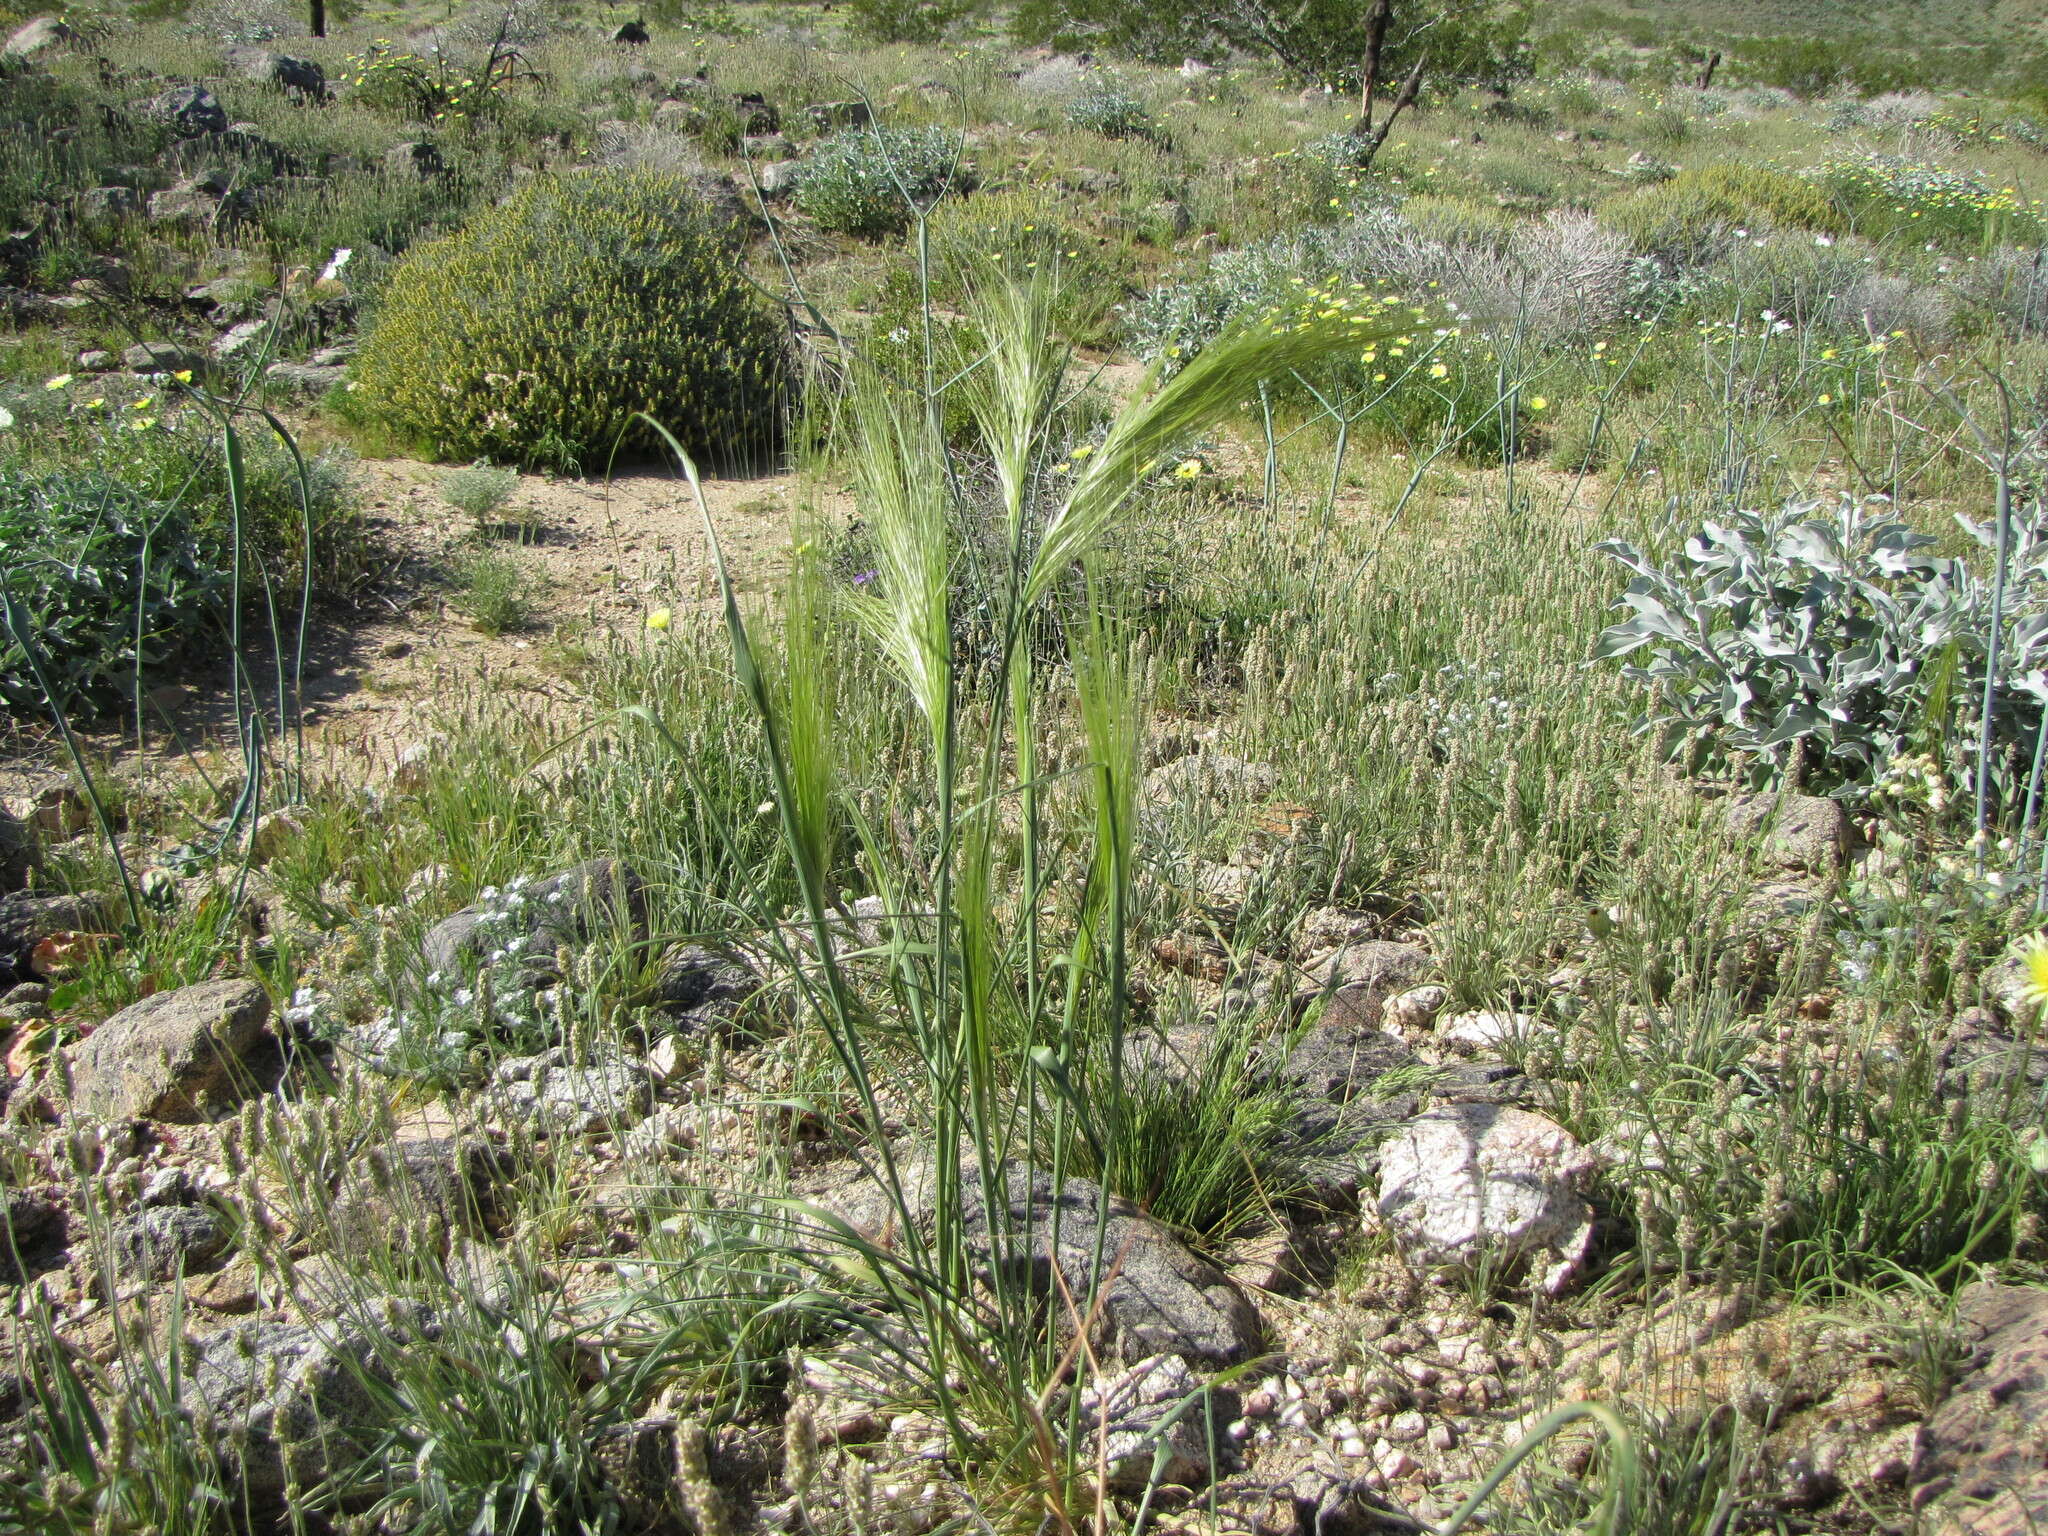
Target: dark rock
[(161, 1241), (757, 115), (17, 855), (1982, 1463), (416, 159), (46, 34), (30, 1226), (1340, 1060), (571, 908), (193, 200), (206, 153), (828, 115), (1480, 1082), (701, 987), (1364, 974), (1981, 1058), (302, 77), (418, 1191), (161, 357), (1798, 832), (178, 1056), (103, 203), (187, 110), (1341, 1115), (291, 1404), (1157, 1297), (25, 921)]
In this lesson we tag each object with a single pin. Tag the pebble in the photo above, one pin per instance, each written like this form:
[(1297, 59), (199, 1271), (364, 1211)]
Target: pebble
[(1442, 1437), (1407, 1426)]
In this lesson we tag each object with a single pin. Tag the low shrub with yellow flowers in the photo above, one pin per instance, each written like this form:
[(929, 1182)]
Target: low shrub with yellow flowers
[(534, 334), (387, 78), (1894, 195)]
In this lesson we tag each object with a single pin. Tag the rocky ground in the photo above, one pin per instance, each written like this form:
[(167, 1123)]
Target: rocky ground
[(1355, 1381)]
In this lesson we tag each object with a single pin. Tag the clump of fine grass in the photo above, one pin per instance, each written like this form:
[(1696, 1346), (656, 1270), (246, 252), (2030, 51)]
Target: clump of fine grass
[(498, 593), (480, 491)]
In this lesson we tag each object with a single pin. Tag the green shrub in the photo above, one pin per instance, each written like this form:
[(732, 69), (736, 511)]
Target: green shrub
[(1687, 219), (536, 332), (907, 21), (107, 581), (1893, 195), (863, 181), (479, 491), (1113, 112), (497, 593)]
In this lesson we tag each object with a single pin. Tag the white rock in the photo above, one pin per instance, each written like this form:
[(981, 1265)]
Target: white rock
[(1141, 1411), (1473, 1182), (1487, 1031), (1415, 1010)]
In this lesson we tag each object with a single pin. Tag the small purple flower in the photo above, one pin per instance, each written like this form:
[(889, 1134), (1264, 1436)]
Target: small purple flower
[(864, 578)]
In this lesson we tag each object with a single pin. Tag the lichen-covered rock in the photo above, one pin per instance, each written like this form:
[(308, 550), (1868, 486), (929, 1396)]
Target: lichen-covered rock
[(1982, 1463), (159, 1242), (1154, 1406), (46, 34), (178, 1056), (1470, 1184), (1799, 832)]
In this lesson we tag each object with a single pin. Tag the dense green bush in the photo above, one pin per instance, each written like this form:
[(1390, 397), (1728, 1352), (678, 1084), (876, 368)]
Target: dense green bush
[(863, 181), (1689, 218), (105, 580), (537, 331), (1110, 110), (907, 21)]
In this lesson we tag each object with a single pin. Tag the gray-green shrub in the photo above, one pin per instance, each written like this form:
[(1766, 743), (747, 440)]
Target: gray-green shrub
[(867, 181)]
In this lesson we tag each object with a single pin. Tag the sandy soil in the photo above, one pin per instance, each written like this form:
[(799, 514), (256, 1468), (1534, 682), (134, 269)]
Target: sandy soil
[(602, 556)]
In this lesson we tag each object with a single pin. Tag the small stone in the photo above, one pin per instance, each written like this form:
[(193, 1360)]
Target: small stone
[(1413, 1011), (1394, 1463), (1488, 1032), (1407, 1427), (1442, 1437)]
